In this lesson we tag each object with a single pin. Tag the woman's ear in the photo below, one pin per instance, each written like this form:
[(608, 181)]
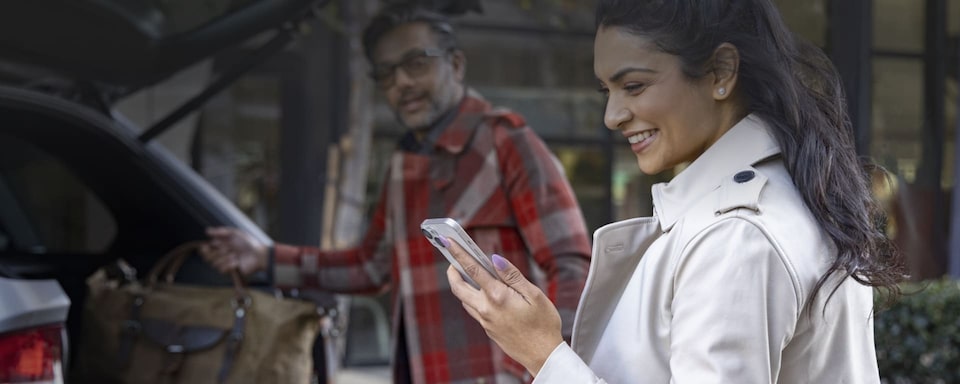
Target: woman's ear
[(459, 62), (726, 66)]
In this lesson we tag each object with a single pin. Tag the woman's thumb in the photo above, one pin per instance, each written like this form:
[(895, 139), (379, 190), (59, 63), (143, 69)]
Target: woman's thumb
[(509, 274)]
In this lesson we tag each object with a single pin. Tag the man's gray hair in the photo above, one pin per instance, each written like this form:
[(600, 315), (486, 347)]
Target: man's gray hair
[(397, 14)]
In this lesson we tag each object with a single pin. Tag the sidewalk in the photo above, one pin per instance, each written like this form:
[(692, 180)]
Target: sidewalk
[(362, 375)]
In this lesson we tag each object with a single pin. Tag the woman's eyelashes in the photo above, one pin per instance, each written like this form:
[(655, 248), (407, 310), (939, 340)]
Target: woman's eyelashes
[(629, 88), (634, 88)]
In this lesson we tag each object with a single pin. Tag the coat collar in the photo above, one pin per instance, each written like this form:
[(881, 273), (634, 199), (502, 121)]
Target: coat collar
[(454, 131), (745, 144), (455, 136)]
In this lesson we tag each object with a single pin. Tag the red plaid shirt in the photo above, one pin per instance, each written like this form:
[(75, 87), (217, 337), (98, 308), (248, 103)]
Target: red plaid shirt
[(496, 177)]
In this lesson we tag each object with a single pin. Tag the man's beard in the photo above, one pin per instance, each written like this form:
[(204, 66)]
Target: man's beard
[(423, 123)]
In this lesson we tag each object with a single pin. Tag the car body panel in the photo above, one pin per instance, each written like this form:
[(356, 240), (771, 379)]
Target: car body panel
[(29, 303)]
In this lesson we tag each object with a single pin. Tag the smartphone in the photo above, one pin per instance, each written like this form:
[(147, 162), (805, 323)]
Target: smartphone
[(450, 229)]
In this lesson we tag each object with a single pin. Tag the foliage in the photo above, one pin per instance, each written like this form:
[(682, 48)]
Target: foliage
[(918, 338)]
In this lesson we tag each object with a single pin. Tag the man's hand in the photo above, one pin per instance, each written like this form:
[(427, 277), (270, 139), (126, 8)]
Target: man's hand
[(514, 312), (231, 249)]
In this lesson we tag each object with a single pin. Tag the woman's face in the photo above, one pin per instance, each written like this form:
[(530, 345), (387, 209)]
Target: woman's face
[(667, 117)]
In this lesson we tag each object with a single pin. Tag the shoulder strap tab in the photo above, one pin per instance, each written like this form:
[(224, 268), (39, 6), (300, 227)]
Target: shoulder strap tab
[(740, 190)]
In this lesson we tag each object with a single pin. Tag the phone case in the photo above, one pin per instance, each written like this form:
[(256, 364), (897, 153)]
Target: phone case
[(450, 229)]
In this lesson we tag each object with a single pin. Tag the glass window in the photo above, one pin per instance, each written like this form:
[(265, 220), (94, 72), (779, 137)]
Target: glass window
[(241, 147), (807, 18), (953, 19), (514, 59), (898, 115), (46, 208), (571, 15), (175, 16), (586, 169), (898, 25), (546, 78), (570, 114), (951, 120), (952, 95)]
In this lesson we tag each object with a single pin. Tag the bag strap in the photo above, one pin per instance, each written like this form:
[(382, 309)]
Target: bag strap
[(129, 331), (163, 265), (170, 264), (233, 341)]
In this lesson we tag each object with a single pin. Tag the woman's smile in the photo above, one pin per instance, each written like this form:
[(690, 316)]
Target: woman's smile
[(643, 139)]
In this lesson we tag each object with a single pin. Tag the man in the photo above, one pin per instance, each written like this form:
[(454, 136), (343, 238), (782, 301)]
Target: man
[(462, 159)]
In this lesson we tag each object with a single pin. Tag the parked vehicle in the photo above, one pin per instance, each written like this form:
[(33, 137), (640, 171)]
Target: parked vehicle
[(80, 186)]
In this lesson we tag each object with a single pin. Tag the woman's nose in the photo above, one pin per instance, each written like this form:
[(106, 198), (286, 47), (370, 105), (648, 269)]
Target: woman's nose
[(615, 114)]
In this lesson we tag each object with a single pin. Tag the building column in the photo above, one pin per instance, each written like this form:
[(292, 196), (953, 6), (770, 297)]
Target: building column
[(954, 252), (850, 44)]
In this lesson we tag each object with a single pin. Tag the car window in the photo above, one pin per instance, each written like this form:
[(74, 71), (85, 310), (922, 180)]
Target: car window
[(4, 240), (171, 17), (44, 207)]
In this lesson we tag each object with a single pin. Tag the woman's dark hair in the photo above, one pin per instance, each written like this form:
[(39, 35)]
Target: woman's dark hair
[(397, 14), (795, 89)]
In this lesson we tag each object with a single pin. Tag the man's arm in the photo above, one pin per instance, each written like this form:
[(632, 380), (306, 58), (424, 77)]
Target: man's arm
[(548, 216), (362, 269)]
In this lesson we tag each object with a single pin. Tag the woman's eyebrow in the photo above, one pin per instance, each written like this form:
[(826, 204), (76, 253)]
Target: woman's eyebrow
[(623, 72)]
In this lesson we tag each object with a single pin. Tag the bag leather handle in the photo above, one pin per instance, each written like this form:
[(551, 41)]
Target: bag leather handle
[(170, 264)]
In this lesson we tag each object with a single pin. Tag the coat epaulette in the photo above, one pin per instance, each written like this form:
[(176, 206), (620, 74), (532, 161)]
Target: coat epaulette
[(740, 190)]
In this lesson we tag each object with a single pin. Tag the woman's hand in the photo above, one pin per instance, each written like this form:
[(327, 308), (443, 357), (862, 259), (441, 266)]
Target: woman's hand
[(232, 249), (514, 312)]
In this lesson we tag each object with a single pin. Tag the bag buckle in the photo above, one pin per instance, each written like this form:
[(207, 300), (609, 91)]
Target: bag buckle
[(240, 305)]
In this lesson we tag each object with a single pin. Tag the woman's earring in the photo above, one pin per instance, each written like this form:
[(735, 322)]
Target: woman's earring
[(722, 91)]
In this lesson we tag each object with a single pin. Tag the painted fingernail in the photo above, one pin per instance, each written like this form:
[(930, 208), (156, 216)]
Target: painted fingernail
[(444, 241), (499, 262)]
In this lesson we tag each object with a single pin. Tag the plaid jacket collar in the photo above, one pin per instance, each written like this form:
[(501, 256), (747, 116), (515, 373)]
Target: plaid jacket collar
[(455, 136), (452, 136)]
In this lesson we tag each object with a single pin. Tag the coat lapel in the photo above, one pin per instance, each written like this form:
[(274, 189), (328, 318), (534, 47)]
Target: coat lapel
[(617, 250)]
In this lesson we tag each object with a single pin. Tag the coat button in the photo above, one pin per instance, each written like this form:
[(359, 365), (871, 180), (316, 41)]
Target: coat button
[(743, 176)]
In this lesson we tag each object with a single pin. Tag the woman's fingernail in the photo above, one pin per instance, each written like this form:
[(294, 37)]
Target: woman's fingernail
[(499, 262), (444, 241)]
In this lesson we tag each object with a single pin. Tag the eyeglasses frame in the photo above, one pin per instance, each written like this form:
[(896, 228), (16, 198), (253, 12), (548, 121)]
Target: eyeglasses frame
[(389, 71)]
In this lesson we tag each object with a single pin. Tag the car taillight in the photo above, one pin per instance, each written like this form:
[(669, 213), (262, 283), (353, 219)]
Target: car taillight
[(32, 355)]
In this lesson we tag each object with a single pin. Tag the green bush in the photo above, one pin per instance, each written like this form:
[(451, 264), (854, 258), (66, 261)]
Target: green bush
[(918, 338)]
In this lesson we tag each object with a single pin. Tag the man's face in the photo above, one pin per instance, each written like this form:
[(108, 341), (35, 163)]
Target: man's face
[(420, 81)]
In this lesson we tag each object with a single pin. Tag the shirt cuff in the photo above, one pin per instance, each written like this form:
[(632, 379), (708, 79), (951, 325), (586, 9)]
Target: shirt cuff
[(286, 254), (286, 266), (564, 366)]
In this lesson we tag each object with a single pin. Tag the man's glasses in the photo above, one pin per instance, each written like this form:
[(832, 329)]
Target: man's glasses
[(413, 64)]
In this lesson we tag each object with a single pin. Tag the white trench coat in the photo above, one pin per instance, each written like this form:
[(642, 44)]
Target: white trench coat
[(712, 288)]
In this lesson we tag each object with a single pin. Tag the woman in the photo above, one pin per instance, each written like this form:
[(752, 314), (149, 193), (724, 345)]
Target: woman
[(759, 263)]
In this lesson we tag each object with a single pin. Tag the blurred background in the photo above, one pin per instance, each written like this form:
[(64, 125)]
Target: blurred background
[(299, 142)]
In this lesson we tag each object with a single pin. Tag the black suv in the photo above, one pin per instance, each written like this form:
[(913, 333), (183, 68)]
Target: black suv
[(79, 186)]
